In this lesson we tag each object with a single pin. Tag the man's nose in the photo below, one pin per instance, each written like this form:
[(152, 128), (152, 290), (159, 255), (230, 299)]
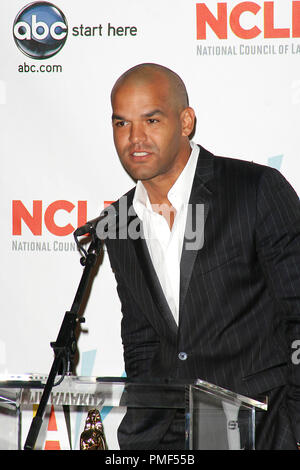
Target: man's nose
[(137, 134)]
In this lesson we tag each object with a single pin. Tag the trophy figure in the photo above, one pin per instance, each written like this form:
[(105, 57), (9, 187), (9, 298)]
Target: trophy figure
[(93, 438)]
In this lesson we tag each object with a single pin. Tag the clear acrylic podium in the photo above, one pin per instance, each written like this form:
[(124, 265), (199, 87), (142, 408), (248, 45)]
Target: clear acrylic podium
[(216, 419)]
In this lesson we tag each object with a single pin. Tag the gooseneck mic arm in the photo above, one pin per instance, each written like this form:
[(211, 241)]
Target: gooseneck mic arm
[(65, 345)]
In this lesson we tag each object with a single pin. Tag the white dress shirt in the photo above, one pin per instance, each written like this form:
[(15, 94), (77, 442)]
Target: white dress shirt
[(165, 245)]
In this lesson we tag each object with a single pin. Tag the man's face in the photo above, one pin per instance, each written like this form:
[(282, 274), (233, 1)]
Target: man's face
[(148, 131)]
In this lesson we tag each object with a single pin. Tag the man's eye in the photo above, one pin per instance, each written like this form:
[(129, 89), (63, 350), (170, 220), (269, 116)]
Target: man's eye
[(120, 123), (152, 120)]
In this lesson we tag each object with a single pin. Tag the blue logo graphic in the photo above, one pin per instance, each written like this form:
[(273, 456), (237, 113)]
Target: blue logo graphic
[(40, 30), (275, 162)]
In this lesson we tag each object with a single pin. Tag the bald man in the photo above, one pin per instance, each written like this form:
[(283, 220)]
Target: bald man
[(152, 123), (223, 307)]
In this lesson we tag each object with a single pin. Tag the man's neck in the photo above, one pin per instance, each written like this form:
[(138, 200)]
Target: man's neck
[(158, 190), (159, 187)]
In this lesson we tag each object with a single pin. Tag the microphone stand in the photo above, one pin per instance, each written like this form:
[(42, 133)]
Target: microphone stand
[(65, 345)]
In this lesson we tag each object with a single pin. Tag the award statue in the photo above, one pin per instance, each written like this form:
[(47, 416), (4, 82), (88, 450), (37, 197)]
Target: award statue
[(93, 438)]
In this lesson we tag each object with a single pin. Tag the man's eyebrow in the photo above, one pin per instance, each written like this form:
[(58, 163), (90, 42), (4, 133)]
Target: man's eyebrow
[(149, 114), (116, 116), (155, 112)]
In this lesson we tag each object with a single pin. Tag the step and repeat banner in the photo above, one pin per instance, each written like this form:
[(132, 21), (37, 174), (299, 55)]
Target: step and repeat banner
[(58, 62)]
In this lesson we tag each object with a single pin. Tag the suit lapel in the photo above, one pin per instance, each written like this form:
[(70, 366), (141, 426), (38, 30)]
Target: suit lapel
[(153, 283), (197, 214), (145, 263)]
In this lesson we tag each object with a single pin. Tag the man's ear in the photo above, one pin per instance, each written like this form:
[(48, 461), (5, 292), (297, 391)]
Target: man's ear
[(188, 121)]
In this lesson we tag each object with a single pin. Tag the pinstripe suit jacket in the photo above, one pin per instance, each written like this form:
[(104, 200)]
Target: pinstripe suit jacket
[(239, 293)]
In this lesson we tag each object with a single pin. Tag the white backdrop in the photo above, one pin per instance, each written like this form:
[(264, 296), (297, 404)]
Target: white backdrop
[(56, 145)]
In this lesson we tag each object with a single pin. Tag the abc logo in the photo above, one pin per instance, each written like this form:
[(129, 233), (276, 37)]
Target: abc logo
[(40, 30)]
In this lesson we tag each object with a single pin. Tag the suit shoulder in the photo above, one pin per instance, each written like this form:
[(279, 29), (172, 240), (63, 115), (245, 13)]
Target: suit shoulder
[(231, 165), (238, 163), (247, 174), (236, 167)]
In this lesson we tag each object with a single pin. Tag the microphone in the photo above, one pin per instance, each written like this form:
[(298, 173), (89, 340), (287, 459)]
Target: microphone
[(87, 228), (100, 228), (99, 225)]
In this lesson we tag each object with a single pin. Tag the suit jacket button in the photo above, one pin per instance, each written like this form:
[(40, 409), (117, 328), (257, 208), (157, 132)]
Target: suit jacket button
[(182, 356)]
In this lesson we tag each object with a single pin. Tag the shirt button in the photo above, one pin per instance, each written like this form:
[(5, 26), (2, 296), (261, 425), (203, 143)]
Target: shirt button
[(182, 356)]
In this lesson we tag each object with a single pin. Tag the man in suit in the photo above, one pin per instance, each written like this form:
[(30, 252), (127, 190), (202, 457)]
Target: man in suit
[(212, 293)]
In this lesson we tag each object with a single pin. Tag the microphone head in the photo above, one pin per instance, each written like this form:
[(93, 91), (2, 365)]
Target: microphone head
[(85, 229)]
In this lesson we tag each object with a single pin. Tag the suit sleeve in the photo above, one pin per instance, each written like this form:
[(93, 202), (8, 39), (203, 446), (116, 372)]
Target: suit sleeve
[(278, 247)]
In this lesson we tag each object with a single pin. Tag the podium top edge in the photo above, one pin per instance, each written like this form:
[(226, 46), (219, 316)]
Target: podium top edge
[(228, 394), (36, 380)]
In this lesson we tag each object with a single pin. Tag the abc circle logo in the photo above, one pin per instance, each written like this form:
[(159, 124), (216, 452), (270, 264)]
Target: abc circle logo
[(40, 30)]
